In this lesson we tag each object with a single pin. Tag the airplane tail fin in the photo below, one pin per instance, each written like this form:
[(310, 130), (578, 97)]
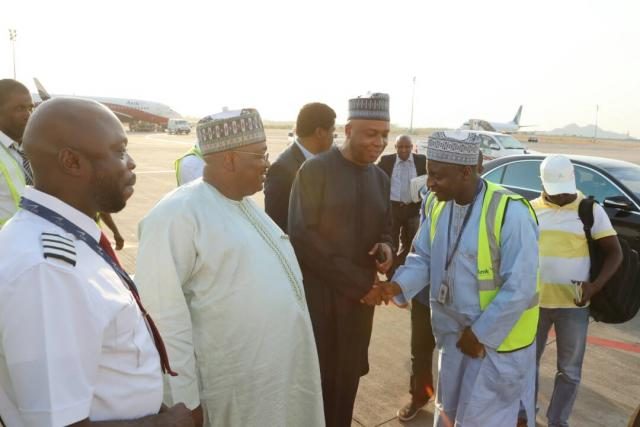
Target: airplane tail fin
[(516, 119), (44, 95)]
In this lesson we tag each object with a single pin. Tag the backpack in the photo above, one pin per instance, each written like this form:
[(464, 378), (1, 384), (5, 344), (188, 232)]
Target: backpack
[(619, 299)]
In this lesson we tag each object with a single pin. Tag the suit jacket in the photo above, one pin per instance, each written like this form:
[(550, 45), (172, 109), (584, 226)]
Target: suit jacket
[(278, 184), (388, 162)]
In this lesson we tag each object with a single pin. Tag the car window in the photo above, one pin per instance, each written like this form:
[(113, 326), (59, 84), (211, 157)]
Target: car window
[(523, 174), (509, 142), (629, 176), (593, 184), (495, 175)]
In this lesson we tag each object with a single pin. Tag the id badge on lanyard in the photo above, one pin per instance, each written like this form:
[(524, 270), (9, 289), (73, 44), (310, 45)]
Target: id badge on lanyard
[(444, 292)]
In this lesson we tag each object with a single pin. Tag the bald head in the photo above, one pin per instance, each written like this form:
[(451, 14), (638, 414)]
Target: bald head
[(68, 123), (77, 150), (404, 146)]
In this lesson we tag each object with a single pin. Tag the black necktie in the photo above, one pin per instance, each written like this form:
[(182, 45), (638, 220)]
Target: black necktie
[(26, 166)]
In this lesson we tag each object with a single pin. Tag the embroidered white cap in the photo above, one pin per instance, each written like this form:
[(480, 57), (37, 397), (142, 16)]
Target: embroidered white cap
[(557, 175)]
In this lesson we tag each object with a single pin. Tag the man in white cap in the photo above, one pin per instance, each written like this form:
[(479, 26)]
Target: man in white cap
[(340, 223), (564, 272), (222, 280), (477, 248)]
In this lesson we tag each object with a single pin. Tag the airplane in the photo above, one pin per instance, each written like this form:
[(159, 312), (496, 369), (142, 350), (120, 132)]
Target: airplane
[(141, 115), (509, 127)]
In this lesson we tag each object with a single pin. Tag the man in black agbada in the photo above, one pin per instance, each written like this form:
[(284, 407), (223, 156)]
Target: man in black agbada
[(339, 223)]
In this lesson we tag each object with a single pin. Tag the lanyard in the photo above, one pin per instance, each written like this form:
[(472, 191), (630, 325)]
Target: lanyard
[(80, 234), (464, 224), (69, 227)]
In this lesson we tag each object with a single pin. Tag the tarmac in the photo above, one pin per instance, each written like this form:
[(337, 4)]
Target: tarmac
[(610, 389)]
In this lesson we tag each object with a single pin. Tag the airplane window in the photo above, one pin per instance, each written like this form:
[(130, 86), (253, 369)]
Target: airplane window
[(593, 184), (523, 174)]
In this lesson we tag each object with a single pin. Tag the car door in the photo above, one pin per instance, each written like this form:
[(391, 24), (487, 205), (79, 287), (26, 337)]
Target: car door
[(626, 222)]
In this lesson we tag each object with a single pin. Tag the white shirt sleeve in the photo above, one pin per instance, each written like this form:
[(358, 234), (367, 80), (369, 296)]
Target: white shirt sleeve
[(190, 169), (166, 256), (601, 224), (52, 340)]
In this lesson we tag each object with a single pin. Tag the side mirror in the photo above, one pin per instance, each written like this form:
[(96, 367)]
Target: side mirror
[(494, 146), (618, 202)]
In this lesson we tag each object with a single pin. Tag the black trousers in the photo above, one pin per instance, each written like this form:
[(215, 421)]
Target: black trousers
[(405, 220), (342, 329), (422, 345)]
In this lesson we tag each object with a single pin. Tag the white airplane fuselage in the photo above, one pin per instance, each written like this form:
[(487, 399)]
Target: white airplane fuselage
[(507, 127), (127, 110)]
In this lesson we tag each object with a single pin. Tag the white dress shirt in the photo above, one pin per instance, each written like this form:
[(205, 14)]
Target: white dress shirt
[(307, 154), (74, 343), (403, 172)]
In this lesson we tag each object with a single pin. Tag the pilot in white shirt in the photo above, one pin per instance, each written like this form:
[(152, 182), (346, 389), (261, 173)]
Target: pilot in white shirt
[(74, 342)]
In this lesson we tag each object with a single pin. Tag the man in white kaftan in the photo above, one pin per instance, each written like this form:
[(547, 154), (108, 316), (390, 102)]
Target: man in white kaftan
[(225, 289)]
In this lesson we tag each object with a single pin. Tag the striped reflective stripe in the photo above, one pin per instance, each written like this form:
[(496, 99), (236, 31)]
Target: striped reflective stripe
[(13, 175)]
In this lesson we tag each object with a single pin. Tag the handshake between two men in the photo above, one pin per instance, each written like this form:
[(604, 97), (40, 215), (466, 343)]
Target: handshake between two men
[(381, 291), (384, 291)]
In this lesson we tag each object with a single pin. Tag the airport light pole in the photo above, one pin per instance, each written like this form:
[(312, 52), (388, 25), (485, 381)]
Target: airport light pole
[(413, 96), (12, 39), (595, 131)]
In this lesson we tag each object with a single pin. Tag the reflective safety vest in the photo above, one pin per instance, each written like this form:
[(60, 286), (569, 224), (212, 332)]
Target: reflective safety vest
[(13, 176), (489, 281), (177, 165)]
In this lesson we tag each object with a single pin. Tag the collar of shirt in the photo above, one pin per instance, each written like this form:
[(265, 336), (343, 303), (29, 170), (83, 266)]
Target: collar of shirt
[(72, 214), (569, 206), (409, 160), (6, 140), (307, 154)]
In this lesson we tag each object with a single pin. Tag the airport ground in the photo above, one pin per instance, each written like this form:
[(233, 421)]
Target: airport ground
[(610, 389)]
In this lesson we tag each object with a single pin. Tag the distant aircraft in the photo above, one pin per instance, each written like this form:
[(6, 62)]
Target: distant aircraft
[(509, 127), (141, 115)]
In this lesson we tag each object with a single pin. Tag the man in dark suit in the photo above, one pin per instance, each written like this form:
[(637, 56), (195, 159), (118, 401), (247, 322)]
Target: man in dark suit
[(402, 167), (315, 128)]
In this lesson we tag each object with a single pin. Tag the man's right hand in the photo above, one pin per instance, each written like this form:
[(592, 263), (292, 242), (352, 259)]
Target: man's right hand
[(391, 289)]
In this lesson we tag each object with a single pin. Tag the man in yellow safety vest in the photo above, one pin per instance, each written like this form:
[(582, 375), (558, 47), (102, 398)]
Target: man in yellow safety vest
[(189, 166), (478, 251), (15, 172)]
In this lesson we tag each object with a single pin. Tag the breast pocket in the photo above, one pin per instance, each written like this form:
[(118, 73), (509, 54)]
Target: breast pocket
[(127, 332)]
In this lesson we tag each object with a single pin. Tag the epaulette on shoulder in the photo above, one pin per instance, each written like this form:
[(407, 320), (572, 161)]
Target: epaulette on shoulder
[(58, 247)]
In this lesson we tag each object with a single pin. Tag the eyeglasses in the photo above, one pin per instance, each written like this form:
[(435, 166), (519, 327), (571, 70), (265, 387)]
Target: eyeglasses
[(264, 156)]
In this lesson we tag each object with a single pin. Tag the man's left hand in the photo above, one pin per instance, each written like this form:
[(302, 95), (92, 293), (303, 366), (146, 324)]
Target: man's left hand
[(589, 289), (385, 250), (469, 344)]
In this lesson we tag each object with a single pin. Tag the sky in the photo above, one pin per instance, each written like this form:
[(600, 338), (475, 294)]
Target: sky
[(471, 59)]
